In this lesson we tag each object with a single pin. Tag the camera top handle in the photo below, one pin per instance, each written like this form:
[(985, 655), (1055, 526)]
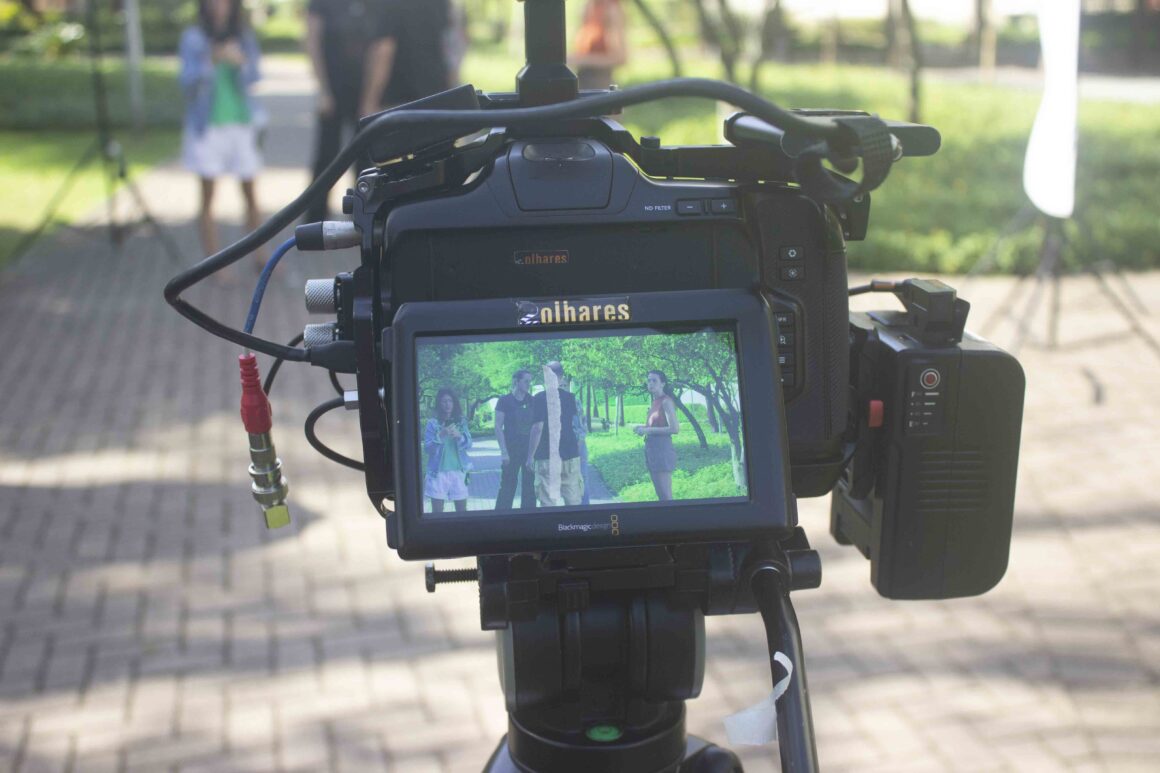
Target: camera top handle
[(547, 83)]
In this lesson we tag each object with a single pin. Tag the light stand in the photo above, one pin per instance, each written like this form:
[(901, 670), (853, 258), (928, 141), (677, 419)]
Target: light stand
[(112, 157), (1060, 256), (1049, 179)]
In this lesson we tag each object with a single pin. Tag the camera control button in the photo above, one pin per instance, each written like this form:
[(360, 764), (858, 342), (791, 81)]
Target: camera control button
[(791, 253), (930, 378), (784, 340), (787, 377), (784, 319), (723, 206), (690, 207), (793, 273)]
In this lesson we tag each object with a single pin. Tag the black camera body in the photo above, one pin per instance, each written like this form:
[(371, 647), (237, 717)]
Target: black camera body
[(574, 217)]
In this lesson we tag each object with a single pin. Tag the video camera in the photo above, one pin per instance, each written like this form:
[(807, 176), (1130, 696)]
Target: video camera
[(527, 239)]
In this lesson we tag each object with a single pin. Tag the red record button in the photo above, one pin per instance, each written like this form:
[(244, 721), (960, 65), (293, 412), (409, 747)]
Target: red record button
[(930, 378), (875, 415)]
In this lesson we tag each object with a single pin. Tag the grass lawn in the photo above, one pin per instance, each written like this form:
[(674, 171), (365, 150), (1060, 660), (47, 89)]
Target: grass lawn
[(941, 213), (701, 473), (46, 124)]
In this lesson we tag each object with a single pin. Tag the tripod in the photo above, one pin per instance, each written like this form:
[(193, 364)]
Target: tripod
[(112, 158), (599, 652), (1056, 260)]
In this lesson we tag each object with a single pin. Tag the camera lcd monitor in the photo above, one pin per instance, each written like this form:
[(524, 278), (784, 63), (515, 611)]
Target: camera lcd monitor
[(542, 420), (522, 426)]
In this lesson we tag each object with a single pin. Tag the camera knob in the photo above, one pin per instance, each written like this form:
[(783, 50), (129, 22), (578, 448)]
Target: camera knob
[(320, 296), (319, 334)]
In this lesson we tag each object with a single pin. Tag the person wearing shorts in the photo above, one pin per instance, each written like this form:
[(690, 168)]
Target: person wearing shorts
[(219, 65), (660, 458), (446, 440)]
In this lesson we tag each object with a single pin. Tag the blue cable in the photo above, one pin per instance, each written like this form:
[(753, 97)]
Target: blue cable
[(264, 280)]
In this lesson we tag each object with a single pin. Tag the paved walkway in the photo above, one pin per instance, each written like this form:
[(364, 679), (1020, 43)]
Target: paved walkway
[(148, 622)]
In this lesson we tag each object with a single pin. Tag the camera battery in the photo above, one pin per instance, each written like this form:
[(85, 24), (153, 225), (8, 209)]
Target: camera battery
[(937, 522)]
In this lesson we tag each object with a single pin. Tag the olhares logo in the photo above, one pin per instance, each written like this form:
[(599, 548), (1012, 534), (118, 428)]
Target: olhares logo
[(567, 312), (541, 258)]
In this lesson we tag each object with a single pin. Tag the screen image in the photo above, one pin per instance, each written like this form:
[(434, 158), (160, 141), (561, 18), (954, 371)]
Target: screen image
[(524, 421)]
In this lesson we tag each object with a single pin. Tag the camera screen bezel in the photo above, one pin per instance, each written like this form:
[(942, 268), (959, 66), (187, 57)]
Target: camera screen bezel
[(765, 513)]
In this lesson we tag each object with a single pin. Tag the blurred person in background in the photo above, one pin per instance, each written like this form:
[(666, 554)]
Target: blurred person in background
[(368, 55), (455, 42), (599, 46), (411, 59), (339, 37), (219, 65)]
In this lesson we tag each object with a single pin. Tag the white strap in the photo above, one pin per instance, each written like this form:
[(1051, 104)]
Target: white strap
[(757, 725)]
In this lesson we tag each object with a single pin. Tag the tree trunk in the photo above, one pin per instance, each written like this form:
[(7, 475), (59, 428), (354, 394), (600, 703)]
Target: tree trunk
[(732, 422), (713, 423), (607, 417), (732, 418), (658, 27), (893, 55), (907, 33), (734, 34), (773, 42), (984, 38), (711, 36), (473, 405), (588, 406), (831, 41), (620, 408), (1139, 35), (692, 420)]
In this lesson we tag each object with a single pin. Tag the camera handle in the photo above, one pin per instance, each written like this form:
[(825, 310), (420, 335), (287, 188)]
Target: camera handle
[(599, 651)]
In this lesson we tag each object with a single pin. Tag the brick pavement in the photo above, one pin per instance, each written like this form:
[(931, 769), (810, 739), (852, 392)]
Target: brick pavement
[(148, 622)]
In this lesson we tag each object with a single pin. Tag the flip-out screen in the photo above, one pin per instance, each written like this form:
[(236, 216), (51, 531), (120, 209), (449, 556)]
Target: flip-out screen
[(631, 418), (534, 425)]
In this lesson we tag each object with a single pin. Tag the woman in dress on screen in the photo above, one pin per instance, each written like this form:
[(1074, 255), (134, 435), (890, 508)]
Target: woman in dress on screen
[(446, 440), (659, 455)]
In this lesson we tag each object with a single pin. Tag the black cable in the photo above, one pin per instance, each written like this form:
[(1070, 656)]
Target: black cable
[(875, 286), (468, 121), (278, 366), (318, 445), (336, 383)]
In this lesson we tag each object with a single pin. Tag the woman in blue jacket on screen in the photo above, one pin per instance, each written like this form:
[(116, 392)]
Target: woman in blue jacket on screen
[(446, 440)]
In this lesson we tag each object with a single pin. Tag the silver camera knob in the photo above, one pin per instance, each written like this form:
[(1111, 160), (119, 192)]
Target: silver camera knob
[(320, 296), (319, 334)]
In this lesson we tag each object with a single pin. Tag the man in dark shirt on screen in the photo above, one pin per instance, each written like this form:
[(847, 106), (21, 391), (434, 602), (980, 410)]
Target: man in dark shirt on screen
[(513, 426), (367, 55), (541, 445)]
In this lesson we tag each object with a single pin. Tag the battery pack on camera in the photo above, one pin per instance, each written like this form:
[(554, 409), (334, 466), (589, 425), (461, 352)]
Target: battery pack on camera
[(930, 492)]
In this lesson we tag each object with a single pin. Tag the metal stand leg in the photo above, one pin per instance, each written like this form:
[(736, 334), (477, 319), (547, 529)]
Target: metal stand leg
[(1052, 267)]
